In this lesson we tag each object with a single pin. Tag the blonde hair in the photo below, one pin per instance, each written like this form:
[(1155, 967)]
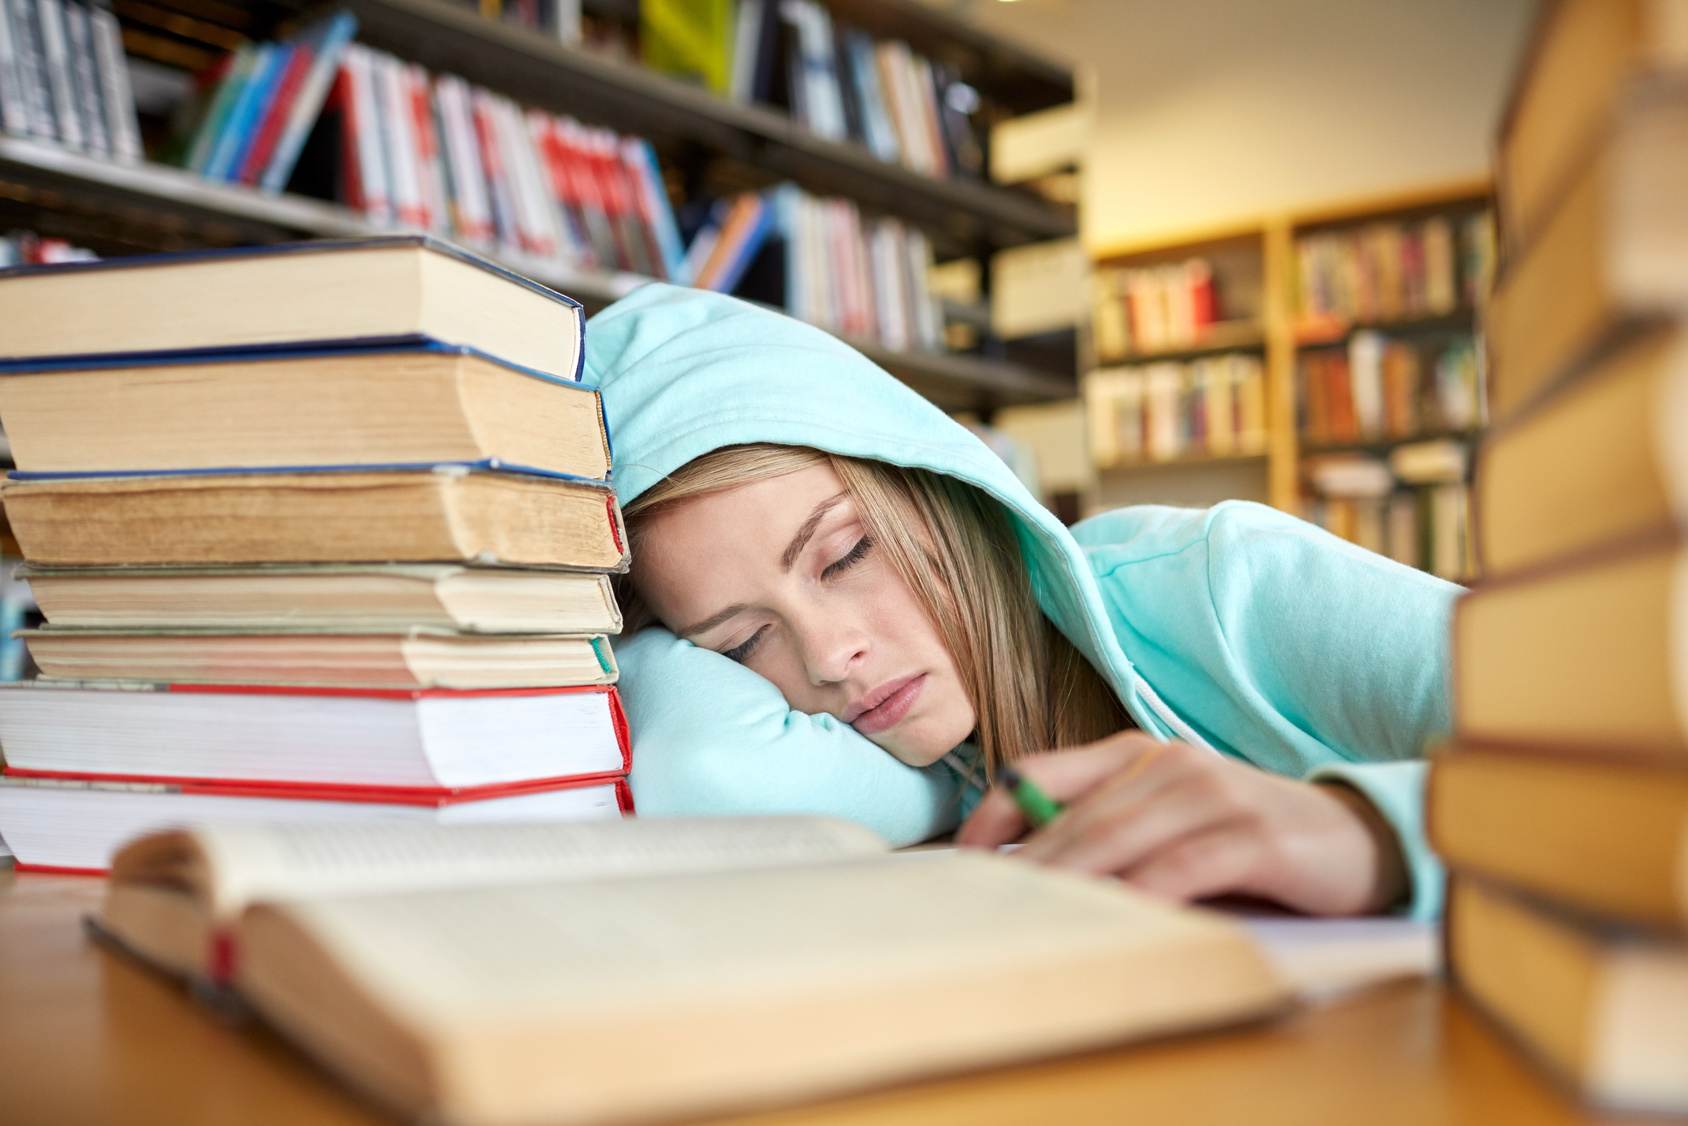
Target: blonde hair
[(1030, 688)]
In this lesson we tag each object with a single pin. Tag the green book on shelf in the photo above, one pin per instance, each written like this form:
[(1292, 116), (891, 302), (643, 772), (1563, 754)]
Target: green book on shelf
[(690, 39)]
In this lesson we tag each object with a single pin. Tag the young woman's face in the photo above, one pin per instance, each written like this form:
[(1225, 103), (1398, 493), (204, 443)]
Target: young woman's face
[(781, 576)]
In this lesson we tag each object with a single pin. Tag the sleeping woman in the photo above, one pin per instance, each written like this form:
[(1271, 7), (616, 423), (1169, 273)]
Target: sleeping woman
[(842, 602)]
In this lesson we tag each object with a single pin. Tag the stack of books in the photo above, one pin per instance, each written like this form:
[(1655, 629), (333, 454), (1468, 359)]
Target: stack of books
[(1562, 809), (320, 534)]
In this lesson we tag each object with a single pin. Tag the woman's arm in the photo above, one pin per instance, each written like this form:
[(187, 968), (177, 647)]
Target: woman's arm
[(1291, 649), (710, 737)]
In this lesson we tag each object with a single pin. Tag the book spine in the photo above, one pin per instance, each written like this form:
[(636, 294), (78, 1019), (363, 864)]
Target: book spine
[(471, 202), (32, 68), (392, 106), (641, 162), (79, 32), (14, 110), (271, 117), (228, 77), (61, 76), (309, 101), (436, 188), (373, 190), (115, 89), (235, 136)]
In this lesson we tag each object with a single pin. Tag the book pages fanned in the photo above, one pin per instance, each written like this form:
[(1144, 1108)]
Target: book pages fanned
[(631, 999)]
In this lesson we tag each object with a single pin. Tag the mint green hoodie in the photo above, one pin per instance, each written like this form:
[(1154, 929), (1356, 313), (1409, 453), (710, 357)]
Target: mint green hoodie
[(1236, 628)]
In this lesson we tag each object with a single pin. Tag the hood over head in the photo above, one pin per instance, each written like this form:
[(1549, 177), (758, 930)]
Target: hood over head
[(684, 372)]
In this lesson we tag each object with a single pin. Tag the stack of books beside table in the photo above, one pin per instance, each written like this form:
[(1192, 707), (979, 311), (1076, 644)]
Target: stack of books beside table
[(321, 534), (1563, 806)]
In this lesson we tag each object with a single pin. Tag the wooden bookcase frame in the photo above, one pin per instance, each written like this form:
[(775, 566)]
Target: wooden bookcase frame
[(1277, 340)]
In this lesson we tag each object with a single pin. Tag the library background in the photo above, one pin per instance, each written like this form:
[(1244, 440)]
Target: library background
[(917, 178), (1321, 255)]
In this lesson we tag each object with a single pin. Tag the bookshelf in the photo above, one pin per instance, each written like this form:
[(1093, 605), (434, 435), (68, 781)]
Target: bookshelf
[(1401, 470), (706, 144)]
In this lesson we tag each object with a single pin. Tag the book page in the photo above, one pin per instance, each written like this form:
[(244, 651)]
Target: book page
[(541, 997), (267, 861)]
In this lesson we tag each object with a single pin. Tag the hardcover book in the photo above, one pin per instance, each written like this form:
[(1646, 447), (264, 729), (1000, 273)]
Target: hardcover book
[(449, 513), (280, 409), (399, 289)]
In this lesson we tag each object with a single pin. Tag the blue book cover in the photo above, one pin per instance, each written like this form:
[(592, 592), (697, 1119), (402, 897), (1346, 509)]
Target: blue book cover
[(332, 36), (445, 468), (237, 127)]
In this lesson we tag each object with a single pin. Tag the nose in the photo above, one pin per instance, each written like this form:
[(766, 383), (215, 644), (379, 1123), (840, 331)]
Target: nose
[(832, 644)]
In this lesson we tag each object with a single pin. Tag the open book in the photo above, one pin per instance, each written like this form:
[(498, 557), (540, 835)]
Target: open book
[(621, 971)]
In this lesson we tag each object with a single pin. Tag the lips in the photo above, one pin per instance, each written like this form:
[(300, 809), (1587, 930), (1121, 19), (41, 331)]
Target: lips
[(886, 705)]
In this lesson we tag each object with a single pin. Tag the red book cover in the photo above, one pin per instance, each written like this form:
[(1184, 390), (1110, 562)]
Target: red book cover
[(351, 177), (275, 114), (432, 796)]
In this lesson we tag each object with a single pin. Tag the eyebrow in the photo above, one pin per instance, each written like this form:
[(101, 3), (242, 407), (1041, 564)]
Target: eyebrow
[(807, 531), (792, 551)]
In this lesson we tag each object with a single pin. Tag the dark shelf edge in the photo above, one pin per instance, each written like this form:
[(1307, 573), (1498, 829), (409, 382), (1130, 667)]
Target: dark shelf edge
[(252, 216)]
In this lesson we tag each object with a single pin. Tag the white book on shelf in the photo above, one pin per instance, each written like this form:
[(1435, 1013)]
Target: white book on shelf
[(889, 284), (85, 71), (115, 89), (928, 322), (14, 110), (747, 33), (471, 209), (430, 164), (398, 134), (61, 77), (1365, 371), (370, 155)]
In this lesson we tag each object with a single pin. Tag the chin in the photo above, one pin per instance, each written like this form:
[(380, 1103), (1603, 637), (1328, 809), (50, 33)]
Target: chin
[(923, 748)]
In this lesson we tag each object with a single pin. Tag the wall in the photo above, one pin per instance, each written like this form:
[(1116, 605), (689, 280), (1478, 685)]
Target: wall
[(1210, 111)]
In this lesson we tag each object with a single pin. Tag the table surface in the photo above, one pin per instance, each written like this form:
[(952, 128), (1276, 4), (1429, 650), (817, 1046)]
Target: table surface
[(86, 1036)]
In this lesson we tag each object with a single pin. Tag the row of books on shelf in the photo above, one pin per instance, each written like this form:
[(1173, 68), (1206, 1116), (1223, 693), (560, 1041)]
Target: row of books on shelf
[(836, 81), (1211, 407), (1379, 389), (1411, 506), (1395, 270), (433, 153), (64, 77), (293, 589), (858, 276), (1140, 309), (1426, 528)]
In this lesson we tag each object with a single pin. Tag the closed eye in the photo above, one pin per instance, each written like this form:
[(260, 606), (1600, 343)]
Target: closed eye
[(742, 651), (849, 559)]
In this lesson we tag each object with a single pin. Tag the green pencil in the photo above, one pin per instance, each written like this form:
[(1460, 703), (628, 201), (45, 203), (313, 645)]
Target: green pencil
[(1040, 809)]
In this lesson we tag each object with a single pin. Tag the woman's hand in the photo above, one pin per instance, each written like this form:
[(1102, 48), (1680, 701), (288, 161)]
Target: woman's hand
[(1185, 823)]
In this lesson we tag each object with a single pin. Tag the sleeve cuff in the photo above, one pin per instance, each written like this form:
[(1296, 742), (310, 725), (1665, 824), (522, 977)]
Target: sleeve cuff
[(1396, 789)]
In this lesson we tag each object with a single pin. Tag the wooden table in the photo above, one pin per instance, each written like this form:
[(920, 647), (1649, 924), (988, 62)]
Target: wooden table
[(88, 1037)]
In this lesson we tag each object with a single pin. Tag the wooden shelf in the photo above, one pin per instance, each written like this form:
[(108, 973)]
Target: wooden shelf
[(962, 215), (227, 214), (1217, 338), (1382, 445), (1312, 334), (1182, 461)]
